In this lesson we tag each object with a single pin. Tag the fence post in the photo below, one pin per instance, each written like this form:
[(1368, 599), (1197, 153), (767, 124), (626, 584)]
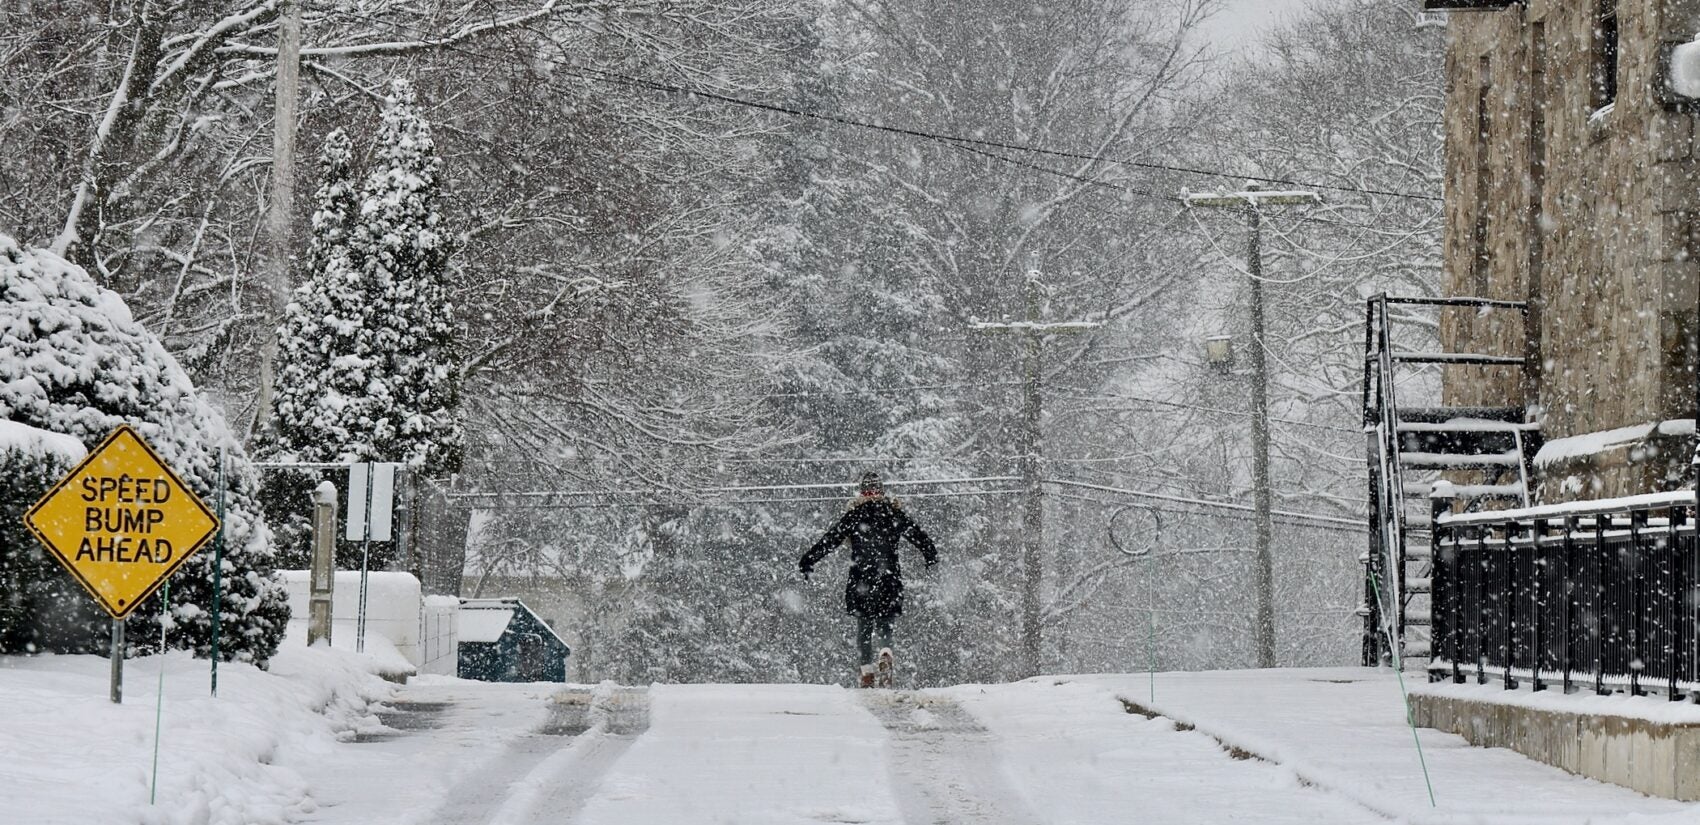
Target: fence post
[(1480, 536), (1457, 600), (1568, 553), (1678, 595), (1599, 604), (1508, 603), (322, 579), (1637, 600), (1537, 603)]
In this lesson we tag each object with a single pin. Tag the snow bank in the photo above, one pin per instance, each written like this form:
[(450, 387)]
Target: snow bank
[(1344, 730), (68, 755), (38, 442)]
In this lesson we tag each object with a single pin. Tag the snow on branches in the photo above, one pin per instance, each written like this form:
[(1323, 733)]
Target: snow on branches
[(368, 370)]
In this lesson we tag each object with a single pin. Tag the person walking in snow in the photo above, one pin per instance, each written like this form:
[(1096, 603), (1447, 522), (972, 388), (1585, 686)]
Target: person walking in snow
[(874, 592)]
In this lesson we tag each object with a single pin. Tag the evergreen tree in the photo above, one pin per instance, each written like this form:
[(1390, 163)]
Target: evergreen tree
[(325, 352), (368, 370), (408, 410)]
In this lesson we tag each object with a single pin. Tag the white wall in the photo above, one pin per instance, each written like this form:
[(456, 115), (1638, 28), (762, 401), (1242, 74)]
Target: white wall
[(422, 629)]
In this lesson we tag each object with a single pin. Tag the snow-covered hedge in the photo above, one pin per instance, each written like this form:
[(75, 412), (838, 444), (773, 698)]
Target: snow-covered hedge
[(73, 361), (41, 608)]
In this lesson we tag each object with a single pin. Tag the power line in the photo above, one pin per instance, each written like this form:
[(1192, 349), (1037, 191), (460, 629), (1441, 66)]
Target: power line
[(1311, 517), (1087, 395), (760, 488), (1183, 511), (697, 503), (966, 143), (654, 85)]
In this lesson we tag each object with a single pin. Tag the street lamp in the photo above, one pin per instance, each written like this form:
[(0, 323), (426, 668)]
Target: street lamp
[(1219, 353)]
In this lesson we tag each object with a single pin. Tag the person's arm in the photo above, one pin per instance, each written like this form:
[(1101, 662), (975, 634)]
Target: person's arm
[(922, 541), (826, 545)]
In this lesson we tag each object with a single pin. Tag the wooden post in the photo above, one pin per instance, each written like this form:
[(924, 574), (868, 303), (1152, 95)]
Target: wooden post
[(280, 207), (1031, 450), (322, 581), (1252, 201)]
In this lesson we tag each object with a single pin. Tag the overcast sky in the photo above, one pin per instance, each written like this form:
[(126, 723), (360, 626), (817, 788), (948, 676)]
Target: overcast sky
[(1242, 20)]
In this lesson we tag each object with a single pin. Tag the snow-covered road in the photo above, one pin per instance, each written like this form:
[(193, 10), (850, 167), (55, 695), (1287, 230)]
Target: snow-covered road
[(794, 754)]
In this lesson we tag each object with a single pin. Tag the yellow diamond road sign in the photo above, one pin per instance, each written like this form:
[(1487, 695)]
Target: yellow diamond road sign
[(122, 522)]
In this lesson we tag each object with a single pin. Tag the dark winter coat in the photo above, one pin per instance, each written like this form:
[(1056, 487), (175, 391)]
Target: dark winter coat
[(873, 527)]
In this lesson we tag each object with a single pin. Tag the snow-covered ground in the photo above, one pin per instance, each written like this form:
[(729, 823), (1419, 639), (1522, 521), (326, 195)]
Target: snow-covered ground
[(319, 739), (1343, 730), (68, 755)]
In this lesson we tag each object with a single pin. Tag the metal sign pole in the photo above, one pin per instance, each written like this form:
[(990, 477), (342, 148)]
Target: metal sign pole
[(365, 559), (117, 661)]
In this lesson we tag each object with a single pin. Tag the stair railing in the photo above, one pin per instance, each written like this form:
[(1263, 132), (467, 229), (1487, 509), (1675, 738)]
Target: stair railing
[(1387, 482)]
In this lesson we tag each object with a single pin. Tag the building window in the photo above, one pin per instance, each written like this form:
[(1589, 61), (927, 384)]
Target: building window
[(1605, 55)]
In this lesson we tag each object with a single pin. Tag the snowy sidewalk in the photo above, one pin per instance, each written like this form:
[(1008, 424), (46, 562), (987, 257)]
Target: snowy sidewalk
[(425, 754), (1076, 755), (1343, 730)]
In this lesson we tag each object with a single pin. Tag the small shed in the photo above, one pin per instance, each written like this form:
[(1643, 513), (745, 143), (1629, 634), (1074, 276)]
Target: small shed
[(501, 640)]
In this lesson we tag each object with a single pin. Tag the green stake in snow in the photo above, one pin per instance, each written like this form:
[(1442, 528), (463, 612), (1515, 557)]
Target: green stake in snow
[(1399, 672), (159, 696), (218, 571), (1151, 652)]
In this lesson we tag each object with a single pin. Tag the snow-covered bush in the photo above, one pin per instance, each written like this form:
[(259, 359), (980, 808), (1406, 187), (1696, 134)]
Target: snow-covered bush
[(74, 361), (41, 608)]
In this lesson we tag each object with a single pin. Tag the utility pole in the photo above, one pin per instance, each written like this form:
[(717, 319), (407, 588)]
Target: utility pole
[(280, 209), (1252, 201), (1031, 448)]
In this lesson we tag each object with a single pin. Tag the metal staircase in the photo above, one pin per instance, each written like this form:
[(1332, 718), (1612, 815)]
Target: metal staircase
[(1482, 452)]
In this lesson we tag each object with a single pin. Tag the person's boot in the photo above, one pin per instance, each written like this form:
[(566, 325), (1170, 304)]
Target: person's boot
[(867, 677), (886, 669)]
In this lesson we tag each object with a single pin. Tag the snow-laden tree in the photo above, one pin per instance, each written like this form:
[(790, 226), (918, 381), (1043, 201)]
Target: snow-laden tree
[(325, 345), (1345, 101), (368, 367), (74, 361), (409, 409)]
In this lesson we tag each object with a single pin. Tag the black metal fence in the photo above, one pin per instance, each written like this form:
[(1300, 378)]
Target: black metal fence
[(1598, 596)]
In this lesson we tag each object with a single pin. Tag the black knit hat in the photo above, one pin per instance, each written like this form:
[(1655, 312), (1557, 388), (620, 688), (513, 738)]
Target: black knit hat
[(870, 484)]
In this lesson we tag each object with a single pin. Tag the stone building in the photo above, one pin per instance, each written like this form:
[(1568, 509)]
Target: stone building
[(1572, 184)]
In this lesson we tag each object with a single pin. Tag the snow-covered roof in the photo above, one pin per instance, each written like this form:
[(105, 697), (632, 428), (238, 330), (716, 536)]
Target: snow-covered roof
[(35, 441), (484, 625), (1685, 69), (485, 620)]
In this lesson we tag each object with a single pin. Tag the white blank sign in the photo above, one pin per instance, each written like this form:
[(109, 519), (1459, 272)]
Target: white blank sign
[(371, 501)]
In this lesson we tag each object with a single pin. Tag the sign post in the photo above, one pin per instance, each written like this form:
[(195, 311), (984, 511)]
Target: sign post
[(371, 505), (121, 522)]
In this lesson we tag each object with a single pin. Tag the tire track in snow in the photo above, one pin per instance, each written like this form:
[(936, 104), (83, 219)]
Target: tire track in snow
[(944, 766), (545, 776), (559, 788)]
